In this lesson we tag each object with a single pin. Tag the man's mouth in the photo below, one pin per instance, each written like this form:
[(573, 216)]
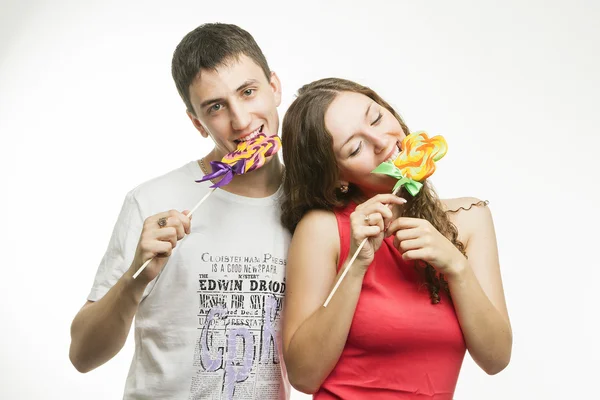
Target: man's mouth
[(250, 135)]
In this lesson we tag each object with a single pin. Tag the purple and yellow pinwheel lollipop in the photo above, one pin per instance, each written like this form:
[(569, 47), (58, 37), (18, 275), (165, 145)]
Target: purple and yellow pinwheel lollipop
[(248, 156)]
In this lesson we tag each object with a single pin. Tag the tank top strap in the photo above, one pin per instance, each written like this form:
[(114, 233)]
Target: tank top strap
[(342, 215)]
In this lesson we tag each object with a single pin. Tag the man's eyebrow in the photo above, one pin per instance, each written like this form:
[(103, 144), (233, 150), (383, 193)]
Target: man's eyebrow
[(208, 102), (211, 101), (246, 84)]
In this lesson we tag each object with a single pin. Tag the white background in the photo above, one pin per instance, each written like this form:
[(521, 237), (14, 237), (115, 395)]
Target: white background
[(88, 110)]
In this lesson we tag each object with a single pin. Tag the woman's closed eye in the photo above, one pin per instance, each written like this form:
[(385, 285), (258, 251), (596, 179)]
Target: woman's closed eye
[(379, 116), (357, 150)]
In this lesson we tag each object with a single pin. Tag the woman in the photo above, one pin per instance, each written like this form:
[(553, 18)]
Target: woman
[(425, 287)]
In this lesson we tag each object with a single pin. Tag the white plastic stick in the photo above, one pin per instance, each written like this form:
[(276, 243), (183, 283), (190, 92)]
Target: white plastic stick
[(337, 284), (345, 272), (139, 271)]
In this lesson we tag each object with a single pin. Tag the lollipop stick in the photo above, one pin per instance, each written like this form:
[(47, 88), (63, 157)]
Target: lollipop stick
[(201, 201), (345, 272), (139, 271), (337, 284)]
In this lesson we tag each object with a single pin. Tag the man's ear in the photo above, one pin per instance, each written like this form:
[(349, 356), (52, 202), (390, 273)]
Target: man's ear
[(197, 124), (275, 84)]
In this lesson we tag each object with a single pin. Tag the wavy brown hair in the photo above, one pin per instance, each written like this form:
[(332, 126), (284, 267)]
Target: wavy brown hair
[(312, 174)]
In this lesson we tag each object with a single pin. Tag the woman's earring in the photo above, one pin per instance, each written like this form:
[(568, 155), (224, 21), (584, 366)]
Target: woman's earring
[(344, 188)]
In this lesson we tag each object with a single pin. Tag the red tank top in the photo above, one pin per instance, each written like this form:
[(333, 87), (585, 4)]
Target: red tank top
[(400, 346)]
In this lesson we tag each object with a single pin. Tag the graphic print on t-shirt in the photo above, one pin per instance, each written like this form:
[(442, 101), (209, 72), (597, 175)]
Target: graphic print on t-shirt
[(239, 302)]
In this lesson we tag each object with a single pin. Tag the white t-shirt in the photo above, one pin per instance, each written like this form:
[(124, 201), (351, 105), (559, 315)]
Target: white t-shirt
[(208, 325)]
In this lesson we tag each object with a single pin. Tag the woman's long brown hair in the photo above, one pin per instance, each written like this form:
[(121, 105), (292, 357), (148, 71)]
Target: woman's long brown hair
[(311, 179)]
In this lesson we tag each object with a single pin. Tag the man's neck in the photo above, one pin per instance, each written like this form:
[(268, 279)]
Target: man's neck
[(262, 182)]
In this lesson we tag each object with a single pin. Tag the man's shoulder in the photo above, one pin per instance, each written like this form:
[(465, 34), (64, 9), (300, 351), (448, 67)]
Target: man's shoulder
[(174, 178), (167, 190)]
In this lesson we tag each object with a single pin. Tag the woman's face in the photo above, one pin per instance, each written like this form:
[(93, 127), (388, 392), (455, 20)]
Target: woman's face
[(365, 134)]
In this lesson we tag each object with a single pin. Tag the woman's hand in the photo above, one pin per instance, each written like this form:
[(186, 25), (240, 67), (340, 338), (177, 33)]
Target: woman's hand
[(417, 239), (369, 220)]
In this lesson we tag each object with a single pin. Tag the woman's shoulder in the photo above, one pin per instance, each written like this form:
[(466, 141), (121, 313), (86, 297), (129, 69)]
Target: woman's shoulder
[(459, 204), (317, 232), (469, 214), (317, 221)]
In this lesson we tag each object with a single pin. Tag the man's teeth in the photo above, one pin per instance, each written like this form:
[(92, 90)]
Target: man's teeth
[(251, 136)]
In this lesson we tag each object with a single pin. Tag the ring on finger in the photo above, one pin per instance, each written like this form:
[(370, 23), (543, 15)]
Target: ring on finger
[(162, 222)]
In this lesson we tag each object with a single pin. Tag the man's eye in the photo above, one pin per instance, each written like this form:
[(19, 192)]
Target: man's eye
[(248, 92), (215, 107)]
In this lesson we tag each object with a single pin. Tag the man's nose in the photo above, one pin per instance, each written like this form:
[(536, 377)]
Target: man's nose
[(240, 117)]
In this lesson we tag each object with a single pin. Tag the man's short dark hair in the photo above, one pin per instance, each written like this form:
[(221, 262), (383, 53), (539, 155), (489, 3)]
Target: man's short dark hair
[(208, 47)]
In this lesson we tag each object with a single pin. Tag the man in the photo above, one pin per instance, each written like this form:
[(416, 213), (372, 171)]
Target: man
[(207, 314)]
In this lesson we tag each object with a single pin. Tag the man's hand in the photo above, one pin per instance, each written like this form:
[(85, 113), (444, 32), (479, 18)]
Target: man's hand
[(158, 239)]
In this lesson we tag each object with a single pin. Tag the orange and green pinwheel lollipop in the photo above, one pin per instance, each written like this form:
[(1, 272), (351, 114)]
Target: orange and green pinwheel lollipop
[(416, 161)]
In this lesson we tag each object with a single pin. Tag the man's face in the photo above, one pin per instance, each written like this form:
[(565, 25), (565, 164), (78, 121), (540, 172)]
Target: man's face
[(234, 103)]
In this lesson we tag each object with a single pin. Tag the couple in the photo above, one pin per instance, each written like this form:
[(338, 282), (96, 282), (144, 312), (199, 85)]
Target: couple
[(213, 324)]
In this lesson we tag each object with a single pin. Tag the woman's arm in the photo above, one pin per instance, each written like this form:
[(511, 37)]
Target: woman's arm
[(314, 336), (475, 283), (477, 292)]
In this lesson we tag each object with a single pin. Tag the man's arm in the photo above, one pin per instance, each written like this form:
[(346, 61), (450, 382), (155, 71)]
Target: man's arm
[(100, 328)]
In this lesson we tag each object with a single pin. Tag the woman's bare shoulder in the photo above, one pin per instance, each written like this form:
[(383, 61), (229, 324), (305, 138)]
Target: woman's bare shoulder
[(470, 215), (459, 204), (315, 221)]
